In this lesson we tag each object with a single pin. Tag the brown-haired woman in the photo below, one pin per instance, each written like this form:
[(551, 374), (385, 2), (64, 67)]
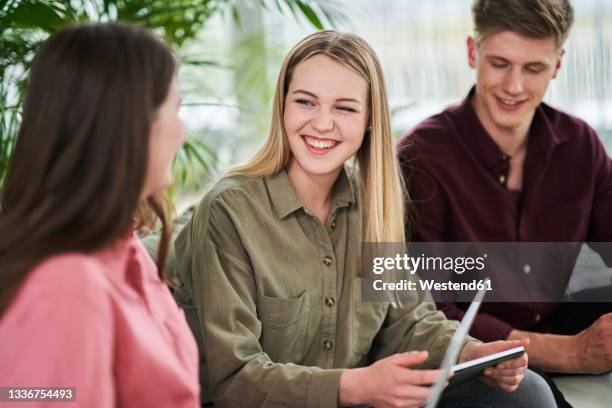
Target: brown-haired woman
[(81, 303)]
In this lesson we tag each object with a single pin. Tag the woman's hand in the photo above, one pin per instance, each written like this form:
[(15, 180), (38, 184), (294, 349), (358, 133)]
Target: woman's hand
[(508, 374), (389, 382)]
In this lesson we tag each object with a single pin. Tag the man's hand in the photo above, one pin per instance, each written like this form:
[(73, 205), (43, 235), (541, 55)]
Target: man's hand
[(588, 352), (594, 346), (389, 382), (508, 374)]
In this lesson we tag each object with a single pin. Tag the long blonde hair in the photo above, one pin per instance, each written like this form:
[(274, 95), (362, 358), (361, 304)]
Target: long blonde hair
[(382, 190)]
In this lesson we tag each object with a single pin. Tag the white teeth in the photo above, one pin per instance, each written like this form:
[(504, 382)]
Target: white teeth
[(507, 102), (319, 144)]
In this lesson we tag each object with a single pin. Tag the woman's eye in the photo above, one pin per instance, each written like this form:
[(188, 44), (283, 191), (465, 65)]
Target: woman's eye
[(304, 102), (346, 109)]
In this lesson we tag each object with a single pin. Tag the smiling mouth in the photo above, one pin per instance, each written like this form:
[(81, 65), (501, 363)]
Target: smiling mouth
[(509, 104), (319, 145)]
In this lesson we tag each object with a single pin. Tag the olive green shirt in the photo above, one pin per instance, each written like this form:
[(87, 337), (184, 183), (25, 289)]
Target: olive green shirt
[(273, 297)]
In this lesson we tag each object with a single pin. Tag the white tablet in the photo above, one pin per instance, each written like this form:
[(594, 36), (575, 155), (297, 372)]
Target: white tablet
[(454, 348)]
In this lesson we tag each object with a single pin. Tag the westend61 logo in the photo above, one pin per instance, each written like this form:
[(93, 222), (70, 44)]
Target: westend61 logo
[(412, 264)]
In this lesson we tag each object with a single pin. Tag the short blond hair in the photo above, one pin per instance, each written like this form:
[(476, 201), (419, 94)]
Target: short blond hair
[(531, 18)]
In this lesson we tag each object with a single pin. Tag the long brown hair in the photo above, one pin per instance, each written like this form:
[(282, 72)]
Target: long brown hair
[(76, 176)]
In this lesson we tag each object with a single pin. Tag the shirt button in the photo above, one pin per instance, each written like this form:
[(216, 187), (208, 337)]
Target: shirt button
[(537, 317), (327, 345), (333, 224), (527, 268), (330, 301), (502, 179), (504, 157), (327, 260)]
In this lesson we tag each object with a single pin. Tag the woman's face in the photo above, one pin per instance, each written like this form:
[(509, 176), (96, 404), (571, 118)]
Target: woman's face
[(326, 114), (167, 136)]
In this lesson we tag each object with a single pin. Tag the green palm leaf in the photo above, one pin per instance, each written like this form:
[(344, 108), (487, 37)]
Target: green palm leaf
[(24, 24)]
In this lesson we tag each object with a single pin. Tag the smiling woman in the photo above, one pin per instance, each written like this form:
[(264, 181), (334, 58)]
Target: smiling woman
[(348, 95), (326, 114), (271, 258)]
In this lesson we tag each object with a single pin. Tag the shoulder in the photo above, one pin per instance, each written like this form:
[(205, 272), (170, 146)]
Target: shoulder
[(433, 131), (432, 144), (559, 119), (70, 273), (232, 184), (233, 209), (570, 128), (577, 142), (229, 198), (60, 323), (73, 284), (230, 191)]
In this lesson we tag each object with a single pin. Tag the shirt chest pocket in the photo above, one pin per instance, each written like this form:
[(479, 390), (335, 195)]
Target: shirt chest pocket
[(368, 318), (284, 327)]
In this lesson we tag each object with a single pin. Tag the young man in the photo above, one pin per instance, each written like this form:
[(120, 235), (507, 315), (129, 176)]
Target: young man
[(504, 167)]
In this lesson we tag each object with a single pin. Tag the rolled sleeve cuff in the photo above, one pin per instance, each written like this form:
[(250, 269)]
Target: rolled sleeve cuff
[(437, 349), (323, 389), (470, 339)]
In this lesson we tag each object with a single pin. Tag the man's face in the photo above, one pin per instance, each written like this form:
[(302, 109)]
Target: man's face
[(513, 73)]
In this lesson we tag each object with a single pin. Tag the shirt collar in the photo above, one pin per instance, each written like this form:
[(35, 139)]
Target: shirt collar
[(285, 199), (343, 193), (541, 133), (123, 255)]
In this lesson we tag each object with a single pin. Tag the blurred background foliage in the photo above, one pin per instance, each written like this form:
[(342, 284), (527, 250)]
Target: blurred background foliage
[(231, 50), (183, 24)]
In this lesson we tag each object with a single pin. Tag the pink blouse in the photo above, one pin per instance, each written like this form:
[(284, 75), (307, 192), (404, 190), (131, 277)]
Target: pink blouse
[(105, 324)]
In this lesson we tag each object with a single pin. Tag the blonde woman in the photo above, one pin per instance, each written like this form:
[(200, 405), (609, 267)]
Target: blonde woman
[(270, 259)]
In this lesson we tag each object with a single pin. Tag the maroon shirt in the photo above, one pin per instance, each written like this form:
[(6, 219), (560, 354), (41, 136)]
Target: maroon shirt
[(456, 177)]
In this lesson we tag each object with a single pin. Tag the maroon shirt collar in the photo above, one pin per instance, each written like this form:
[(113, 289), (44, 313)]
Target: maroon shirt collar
[(542, 136)]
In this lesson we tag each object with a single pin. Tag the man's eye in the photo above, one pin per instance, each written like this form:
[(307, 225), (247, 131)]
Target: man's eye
[(499, 64), (533, 70)]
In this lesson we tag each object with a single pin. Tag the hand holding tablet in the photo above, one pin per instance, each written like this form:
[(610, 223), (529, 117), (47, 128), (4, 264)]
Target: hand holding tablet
[(500, 364), (475, 368), (479, 358)]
